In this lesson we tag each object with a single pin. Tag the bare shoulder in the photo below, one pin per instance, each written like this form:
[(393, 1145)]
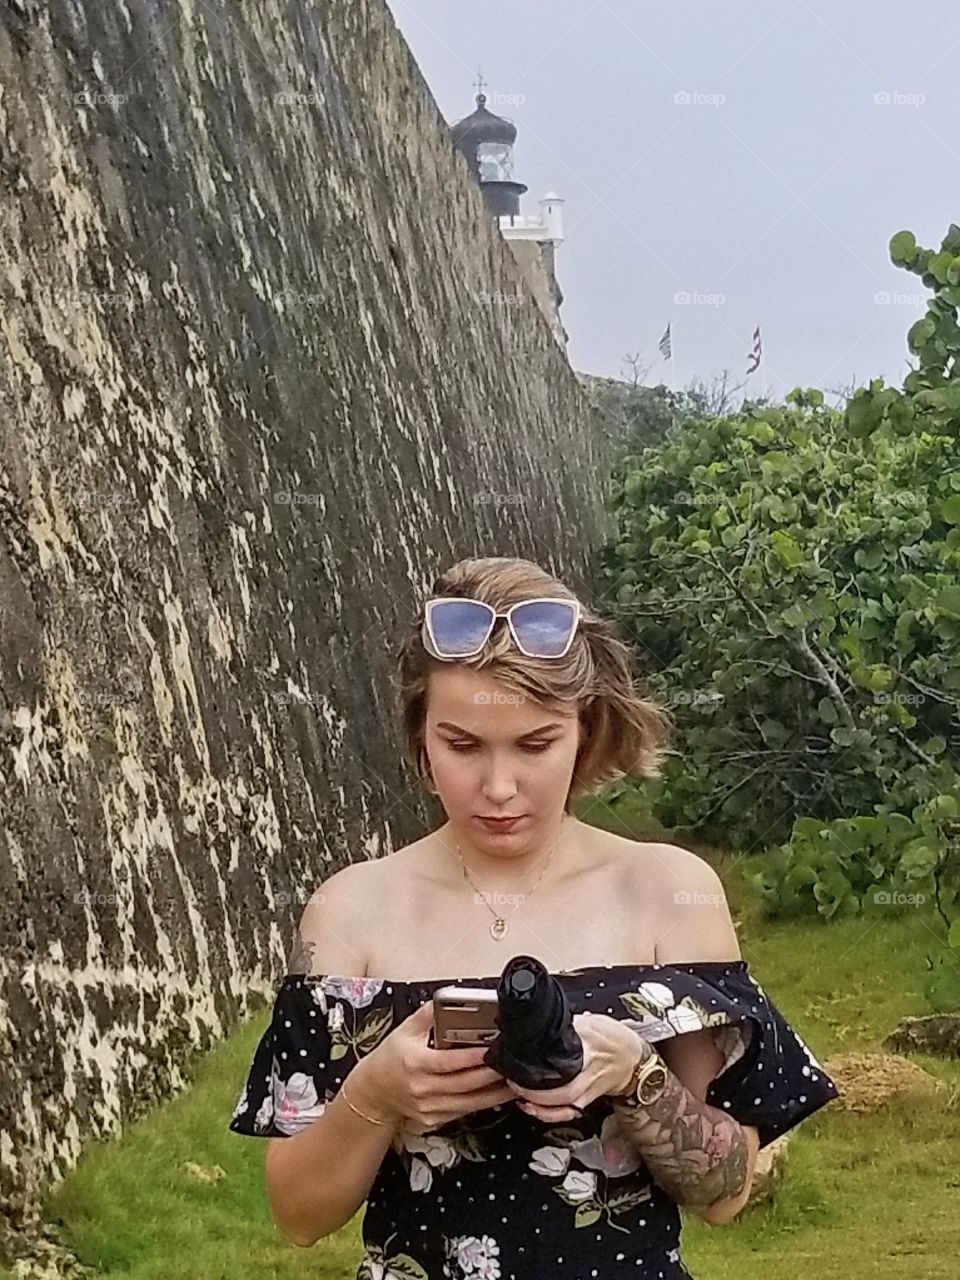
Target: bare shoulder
[(346, 910), (331, 935), (681, 868), (694, 920), (681, 900), (657, 869)]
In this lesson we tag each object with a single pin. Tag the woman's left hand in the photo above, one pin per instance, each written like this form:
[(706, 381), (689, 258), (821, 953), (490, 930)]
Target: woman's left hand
[(610, 1052)]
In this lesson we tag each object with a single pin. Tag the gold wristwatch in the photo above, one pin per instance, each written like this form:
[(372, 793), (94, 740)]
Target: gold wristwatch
[(647, 1083)]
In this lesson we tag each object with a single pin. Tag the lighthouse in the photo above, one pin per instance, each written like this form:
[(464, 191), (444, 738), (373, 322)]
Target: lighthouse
[(486, 141)]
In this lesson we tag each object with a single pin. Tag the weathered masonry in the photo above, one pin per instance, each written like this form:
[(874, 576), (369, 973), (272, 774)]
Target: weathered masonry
[(252, 399)]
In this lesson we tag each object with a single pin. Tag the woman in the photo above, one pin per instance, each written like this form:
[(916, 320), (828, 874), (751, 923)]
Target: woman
[(464, 1173)]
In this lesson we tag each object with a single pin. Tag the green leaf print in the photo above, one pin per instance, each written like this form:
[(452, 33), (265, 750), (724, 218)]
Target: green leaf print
[(587, 1214)]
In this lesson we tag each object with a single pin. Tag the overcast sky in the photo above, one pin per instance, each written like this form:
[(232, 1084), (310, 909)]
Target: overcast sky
[(810, 133)]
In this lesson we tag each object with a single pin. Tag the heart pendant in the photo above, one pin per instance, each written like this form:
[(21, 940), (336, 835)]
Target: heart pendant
[(498, 928)]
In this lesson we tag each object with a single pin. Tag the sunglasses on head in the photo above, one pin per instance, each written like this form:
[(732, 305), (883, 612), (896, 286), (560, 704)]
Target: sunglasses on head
[(456, 627)]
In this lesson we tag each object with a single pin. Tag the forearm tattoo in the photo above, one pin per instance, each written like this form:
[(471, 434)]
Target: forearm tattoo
[(695, 1152)]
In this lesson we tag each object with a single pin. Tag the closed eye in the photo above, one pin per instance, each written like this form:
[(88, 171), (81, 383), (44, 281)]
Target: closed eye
[(533, 747)]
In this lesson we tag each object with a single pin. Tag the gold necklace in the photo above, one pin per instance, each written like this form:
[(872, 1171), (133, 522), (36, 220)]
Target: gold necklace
[(499, 926)]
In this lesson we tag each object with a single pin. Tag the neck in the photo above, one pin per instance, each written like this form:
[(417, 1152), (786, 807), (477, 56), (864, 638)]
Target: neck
[(512, 867)]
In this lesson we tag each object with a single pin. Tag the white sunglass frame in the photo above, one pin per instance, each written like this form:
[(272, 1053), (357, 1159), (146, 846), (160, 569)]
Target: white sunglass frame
[(508, 614)]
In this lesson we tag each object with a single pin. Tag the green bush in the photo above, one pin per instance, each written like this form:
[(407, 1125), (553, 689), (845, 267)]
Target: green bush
[(860, 865), (791, 578)]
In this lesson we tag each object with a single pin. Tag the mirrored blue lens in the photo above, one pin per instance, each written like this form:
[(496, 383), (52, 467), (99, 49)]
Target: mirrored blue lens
[(459, 626), (544, 628)]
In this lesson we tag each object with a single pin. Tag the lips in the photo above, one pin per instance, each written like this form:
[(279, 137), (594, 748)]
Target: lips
[(500, 824)]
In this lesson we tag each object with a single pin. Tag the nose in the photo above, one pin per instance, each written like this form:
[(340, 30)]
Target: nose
[(500, 786)]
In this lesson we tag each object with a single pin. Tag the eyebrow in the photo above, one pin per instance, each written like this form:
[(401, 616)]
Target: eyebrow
[(544, 728)]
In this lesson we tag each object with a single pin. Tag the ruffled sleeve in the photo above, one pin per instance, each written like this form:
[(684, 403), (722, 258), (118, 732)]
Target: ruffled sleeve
[(777, 1082), (769, 1078), (321, 1026)]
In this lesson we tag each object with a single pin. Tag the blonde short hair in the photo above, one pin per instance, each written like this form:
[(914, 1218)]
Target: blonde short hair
[(625, 734)]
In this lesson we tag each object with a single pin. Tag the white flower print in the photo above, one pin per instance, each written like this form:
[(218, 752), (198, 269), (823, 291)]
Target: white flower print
[(580, 1186), (421, 1175), (610, 1152), (673, 1255), (550, 1161), (356, 991), (376, 1265), (657, 994), (477, 1256), (263, 1117), (241, 1104), (296, 1103), (376, 1270), (679, 1016), (440, 1151), (335, 1018)]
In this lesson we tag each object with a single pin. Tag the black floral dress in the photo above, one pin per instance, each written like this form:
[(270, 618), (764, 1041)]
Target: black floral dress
[(498, 1195)]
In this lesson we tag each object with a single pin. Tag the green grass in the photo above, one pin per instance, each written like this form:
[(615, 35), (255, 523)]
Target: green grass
[(865, 1195)]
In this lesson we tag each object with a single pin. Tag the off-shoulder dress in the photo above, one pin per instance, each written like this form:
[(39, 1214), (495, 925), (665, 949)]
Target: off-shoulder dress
[(499, 1195)]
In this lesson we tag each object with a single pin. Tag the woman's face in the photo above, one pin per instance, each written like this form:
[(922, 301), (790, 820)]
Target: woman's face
[(493, 753)]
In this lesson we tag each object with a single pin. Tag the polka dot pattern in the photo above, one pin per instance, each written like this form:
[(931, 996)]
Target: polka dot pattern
[(462, 1200)]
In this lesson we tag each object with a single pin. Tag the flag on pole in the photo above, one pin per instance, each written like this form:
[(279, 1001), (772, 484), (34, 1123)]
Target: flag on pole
[(754, 354), (665, 345)]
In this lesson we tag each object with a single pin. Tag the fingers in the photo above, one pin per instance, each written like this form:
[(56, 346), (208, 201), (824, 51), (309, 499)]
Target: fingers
[(550, 1115), (472, 1079), (549, 1099), (479, 1100), (444, 1060)]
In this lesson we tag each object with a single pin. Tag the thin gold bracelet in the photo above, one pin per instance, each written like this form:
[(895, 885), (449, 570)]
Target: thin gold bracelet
[(343, 1094)]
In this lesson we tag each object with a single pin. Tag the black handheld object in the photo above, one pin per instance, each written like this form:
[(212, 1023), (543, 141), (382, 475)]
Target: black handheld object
[(538, 1046)]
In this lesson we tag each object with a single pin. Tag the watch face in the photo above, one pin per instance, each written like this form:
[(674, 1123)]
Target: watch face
[(652, 1086)]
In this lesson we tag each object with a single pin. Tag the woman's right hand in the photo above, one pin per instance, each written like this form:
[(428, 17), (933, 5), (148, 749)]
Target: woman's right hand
[(419, 1088)]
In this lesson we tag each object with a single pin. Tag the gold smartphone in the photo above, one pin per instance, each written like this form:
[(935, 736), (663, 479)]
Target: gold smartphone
[(464, 1016)]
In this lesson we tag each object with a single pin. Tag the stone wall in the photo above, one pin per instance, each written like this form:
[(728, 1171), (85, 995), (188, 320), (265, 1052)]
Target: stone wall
[(252, 400)]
